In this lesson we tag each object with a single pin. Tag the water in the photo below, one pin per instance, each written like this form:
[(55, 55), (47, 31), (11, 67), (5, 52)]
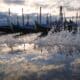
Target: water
[(29, 57)]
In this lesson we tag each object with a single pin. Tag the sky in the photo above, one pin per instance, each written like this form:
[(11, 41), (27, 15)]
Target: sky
[(48, 6)]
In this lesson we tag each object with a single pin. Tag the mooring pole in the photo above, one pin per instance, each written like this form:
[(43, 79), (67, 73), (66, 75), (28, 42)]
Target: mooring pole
[(77, 18), (40, 14), (17, 20), (47, 19), (27, 19), (9, 20), (50, 21), (22, 17)]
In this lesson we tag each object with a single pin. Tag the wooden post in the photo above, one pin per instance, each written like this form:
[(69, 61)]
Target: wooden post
[(37, 17), (61, 14), (47, 19), (17, 20), (9, 20), (50, 21), (27, 19), (40, 14), (77, 18), (22, 17)]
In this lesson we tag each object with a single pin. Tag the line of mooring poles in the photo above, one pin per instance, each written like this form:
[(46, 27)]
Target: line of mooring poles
[(40, 18), (23, 23)]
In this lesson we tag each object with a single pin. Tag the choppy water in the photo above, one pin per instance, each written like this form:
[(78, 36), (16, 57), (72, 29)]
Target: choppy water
[(54, 57)]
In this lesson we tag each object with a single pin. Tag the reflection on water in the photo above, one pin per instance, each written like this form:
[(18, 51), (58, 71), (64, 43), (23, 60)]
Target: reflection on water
[(33, 66), (49, 58)]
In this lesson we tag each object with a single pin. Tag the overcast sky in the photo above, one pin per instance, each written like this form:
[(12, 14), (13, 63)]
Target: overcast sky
[(32, 6)]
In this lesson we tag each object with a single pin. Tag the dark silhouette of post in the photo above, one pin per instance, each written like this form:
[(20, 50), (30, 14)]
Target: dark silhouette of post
[(9, 20), (50, 21), (77, 18), (27, 19), (76, 26), (64, 19), (61, 13), (47, 19), (8, 17), (40, 14), (22, 17), (36, 21), (61, 18), (37, 18), (17, 20)]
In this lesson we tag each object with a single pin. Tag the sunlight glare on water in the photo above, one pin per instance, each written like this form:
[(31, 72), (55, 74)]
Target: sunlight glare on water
[(56, 51)]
